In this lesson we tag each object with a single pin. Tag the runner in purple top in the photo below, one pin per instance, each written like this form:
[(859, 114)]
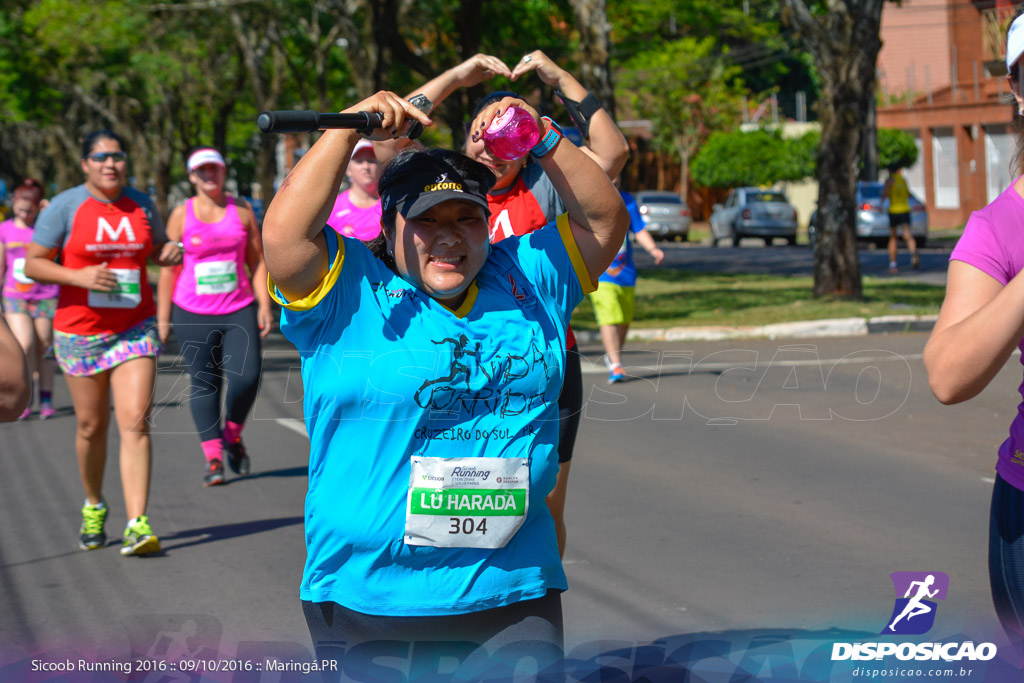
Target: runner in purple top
[(356, 211), (980, 324), (28, 305)]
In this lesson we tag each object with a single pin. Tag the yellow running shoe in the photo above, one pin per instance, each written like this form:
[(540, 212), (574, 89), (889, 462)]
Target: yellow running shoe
[(93, 518), (139, 538)]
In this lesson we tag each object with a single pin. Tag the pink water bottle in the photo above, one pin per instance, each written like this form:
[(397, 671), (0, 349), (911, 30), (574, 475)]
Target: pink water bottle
[(512, 135)]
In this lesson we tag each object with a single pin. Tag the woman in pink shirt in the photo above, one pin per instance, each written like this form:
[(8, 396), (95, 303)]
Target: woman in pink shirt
[(28, 305), (219, 311), (356, 211), (979, 326)]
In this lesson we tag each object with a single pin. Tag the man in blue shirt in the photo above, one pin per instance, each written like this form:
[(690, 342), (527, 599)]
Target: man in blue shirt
[(616, 291)]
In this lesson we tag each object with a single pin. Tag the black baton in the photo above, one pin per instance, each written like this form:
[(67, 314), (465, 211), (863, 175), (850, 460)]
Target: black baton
[(308, 121)]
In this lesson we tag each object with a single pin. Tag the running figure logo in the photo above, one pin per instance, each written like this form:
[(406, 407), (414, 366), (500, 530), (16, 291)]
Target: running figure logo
[(914, 612)]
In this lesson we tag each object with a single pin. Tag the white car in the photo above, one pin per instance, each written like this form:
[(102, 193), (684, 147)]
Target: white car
[(873, 217), (754, 212), (666, 215)]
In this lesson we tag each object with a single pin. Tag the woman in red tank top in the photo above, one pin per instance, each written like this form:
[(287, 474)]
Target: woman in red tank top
[(104, 332), (523, 199)]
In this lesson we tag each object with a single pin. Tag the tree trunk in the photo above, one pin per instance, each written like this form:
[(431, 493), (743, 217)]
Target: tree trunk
[(844, 41), (459, 106), (836, 265), (263, 64), (595, 72), (870, 170), (266, 168), (684, 176)]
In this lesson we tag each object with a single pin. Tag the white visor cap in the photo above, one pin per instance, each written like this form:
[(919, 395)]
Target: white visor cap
[(1014, 42), (361, 145), (201, 157)]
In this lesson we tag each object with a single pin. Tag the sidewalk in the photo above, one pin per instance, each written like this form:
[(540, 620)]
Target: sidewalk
[(804, 329)]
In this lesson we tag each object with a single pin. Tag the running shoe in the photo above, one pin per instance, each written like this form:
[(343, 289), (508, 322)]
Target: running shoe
[(139, 538), (25, 415), (238, 459), (616, 375), (92, 534), (46, 411), (214, 473)]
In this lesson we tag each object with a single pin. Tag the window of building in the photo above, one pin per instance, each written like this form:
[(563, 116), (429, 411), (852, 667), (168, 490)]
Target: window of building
[(946, 171), (998, 150), (914, 175)]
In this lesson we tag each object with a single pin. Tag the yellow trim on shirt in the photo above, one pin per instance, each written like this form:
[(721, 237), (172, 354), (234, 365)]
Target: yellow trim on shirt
[(578, 264), (467, 303), (314, 297)]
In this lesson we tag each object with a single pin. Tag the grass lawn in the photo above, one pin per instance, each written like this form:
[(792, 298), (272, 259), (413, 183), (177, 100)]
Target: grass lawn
[(678, 298)]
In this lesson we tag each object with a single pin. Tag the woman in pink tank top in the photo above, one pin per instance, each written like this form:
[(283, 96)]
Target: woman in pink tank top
[(219, 311), (980, 324), (356, 211), (28, 305)]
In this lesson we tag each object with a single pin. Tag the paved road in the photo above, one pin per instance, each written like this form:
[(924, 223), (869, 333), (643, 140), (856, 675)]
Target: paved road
[(735, 500)]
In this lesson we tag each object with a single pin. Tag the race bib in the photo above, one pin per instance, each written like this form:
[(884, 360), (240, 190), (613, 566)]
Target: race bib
[(216, 277), (127, 293), (466, 502), (19, 273)]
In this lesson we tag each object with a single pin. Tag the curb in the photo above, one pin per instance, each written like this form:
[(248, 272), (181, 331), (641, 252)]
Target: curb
[(832, 327)]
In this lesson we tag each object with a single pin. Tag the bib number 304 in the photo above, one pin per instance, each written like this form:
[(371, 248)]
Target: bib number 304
[(468, 525), (466, 502)]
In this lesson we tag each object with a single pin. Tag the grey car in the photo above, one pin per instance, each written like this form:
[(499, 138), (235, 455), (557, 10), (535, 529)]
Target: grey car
[(873, 217), (754, 212), (665, 215)]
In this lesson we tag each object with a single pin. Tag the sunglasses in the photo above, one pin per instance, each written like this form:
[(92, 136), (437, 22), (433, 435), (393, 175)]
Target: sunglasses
[(100, 157)]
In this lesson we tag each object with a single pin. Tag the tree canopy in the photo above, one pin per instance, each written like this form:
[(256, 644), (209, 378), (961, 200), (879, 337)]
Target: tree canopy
[(760, 157), (688, 66), (171, 75), (168, 75), (764, 157)]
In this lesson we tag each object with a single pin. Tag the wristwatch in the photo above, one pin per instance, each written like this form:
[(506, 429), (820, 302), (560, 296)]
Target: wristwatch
[(423, 103), (550, 139)]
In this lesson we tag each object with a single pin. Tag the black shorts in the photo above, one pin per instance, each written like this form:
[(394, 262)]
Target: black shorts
[(490, 641), (570, 404), (898, 219)]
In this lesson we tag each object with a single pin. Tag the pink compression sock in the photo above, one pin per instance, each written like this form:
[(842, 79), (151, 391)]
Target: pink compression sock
[(232, 431), (213, 449)]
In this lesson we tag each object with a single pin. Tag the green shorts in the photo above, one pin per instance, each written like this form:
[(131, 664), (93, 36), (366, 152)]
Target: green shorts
[(613, 304)]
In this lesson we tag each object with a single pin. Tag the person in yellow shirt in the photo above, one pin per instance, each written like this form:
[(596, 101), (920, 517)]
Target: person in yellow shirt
[(899, 217)]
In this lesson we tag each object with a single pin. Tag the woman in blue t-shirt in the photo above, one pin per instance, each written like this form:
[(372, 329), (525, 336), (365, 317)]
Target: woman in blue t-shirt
[(429, 369)]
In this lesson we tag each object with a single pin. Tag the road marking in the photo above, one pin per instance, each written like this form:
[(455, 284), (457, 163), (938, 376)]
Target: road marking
[(596, 370), (988, 480), (294, 424)]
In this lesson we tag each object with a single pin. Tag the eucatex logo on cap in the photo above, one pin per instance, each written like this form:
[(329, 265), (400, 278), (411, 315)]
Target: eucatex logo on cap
[(913, 613), (442, 183)]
